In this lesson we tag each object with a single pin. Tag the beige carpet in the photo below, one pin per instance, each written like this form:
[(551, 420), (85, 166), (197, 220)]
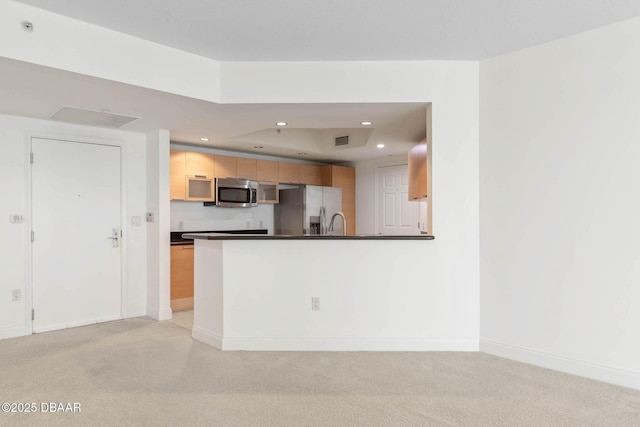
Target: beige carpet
[(141, 372)]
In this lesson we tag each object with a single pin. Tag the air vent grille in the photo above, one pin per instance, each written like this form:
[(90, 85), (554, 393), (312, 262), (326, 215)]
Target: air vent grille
[(91, 118), (342, 140)]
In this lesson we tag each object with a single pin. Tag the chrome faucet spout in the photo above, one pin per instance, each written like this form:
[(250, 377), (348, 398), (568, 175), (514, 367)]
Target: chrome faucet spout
[(344, 222)]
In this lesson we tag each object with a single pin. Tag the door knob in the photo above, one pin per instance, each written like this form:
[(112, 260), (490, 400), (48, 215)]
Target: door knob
[(115, 237)]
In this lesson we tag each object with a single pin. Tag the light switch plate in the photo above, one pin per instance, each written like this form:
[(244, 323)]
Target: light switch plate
[(136, 220), (149, 216), (16, 218)]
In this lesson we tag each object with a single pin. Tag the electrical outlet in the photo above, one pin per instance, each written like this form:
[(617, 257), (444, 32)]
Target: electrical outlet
[(16, 294), (248, 224), (149, 216), (315, 304), (261, 224), (180, 225)]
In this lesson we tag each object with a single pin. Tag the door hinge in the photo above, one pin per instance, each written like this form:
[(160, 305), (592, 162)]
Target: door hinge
[(33, 314), (33, 236), (31, 157)]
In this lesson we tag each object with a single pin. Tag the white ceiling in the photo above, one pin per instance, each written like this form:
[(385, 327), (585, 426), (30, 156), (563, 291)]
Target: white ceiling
[(294, 30), (305, 30)]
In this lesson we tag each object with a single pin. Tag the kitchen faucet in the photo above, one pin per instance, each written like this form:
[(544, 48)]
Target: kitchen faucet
[(344, 222)]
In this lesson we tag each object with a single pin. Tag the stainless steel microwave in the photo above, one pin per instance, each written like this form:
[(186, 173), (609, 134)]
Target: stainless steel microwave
[(236, 193)]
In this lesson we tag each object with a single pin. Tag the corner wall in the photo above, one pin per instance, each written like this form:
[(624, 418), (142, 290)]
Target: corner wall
[(559, 205)]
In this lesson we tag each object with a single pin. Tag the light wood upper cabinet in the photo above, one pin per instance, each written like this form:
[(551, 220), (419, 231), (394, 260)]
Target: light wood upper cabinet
[(311, 174), (288, 173), (199, 164), (246, 168), (418, 172), (267, 171), (345, 177), (177, 172), (226, 166)]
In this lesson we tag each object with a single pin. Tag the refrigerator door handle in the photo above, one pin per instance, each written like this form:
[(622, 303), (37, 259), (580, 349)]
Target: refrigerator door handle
[(323, 220)]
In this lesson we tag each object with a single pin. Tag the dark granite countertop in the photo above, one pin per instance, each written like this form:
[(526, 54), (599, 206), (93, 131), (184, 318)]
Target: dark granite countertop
[(220, 236)]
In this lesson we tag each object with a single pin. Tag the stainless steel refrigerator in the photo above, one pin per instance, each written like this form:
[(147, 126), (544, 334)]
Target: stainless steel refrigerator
[(308, 210)]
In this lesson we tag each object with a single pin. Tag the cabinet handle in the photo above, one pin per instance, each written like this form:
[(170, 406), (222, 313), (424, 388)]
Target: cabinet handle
[(200, 176), (267, 180), (187, 247)]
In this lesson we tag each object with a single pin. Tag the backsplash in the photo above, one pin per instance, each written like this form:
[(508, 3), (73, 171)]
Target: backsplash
[(193, 216)]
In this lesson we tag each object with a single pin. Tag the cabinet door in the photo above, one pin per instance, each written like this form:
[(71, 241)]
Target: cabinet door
[(345, 177), (181, 277), (267, 171), (177, 172), (246, 168), (268, 192), (310, 174), (199, 164), (418, 172), (288, 173), (226, 167)]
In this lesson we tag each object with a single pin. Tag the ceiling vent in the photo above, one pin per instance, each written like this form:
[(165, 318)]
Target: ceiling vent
[(342, 140), (91, 118)]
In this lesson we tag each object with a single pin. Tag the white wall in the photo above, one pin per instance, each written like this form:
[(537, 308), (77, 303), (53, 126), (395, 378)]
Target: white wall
[(15, 134), (560, 212), (194, 216), (68, 44), (374, 295), (159, 237)]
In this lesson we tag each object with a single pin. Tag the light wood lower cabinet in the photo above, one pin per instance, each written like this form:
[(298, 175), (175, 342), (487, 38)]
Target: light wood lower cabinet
[(181, 277)]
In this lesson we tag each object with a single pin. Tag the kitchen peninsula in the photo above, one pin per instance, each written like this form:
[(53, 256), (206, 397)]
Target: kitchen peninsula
[(325, 293)]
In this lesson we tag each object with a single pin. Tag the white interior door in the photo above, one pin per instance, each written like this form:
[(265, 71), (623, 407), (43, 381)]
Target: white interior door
[(396, 214), (76, 234)]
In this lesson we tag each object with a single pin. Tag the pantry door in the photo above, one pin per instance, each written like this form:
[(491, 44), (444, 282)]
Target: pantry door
[(396, 214), (76, 250)]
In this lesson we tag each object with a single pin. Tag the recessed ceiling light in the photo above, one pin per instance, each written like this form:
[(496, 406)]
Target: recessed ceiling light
[(204, 139), (380, 145), (366, 123), (258, 147), (281, 123)]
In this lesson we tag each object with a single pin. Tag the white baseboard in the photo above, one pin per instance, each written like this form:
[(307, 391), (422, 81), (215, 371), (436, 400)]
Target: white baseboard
[(206, 337), (159, 314), (348, 344), (582, 368), (13, 332)]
